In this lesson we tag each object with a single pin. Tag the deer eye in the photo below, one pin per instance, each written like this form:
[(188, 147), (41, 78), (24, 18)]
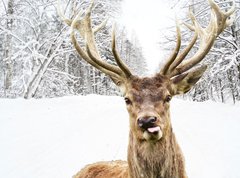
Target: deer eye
[(127, 101), (168, 98)]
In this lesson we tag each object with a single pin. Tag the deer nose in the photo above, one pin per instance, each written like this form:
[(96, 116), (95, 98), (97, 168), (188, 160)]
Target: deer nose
[(147, 122)]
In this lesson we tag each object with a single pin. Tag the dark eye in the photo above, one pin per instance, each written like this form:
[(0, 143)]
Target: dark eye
[(128, 101), (168, 98)]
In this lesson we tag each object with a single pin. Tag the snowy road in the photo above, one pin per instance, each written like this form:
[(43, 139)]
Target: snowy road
[(52, 138)]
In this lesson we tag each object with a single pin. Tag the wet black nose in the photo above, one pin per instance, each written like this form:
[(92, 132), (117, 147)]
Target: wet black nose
[(147, 122)]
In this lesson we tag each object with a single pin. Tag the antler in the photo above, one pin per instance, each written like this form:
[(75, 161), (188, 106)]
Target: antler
[(91, 54), (218, 22)]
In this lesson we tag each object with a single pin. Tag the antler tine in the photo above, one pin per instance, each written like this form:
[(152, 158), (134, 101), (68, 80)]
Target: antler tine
[(120, 63), (174, 54), (185, 51), (91, 42), (93, 53), (78, 24), (101, 63), (231, 10), (100, 26), (63, 17), (207, 36), (83, 54)]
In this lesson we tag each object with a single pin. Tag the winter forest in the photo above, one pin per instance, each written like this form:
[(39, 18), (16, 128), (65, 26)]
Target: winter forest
[(37, 59), (59, 114)]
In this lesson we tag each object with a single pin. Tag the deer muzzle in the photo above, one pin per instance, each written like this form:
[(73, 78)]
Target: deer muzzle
[(151, 131)]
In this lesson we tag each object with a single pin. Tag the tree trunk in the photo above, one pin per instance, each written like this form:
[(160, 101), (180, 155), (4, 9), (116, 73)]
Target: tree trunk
[(34, 83), (8, 49), (231, 84), (221, 90)]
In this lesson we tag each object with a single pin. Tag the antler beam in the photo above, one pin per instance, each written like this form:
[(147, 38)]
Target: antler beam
[(218, 22), (91, 53)]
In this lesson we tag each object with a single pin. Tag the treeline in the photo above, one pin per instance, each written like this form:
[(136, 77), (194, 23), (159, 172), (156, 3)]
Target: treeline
[(221, 81), (38, 60)]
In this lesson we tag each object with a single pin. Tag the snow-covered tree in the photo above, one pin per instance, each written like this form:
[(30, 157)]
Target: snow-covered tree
[(222, 79), (36, 52)]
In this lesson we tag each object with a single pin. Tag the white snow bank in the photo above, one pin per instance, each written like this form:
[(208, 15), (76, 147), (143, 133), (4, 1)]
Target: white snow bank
[(51, 138)]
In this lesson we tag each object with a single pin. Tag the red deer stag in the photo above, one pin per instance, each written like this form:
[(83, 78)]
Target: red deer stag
[(153, 151)]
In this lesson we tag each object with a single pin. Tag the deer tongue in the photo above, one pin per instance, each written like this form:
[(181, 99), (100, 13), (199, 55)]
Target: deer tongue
[(153, 129)]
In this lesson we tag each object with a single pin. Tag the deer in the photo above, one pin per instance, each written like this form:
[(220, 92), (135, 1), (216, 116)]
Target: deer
[(153, 151)]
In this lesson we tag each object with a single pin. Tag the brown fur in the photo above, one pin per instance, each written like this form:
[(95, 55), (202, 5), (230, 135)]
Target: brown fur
[(118, 169), (162, 159), (147, 158)]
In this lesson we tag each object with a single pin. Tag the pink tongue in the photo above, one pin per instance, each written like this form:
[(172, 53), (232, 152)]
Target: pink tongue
[(153, 129)]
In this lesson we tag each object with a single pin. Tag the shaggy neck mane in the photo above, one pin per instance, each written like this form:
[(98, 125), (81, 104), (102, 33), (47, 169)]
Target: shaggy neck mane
[(160, 159)]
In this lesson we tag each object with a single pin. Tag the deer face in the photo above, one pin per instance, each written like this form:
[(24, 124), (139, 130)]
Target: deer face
[(147, 101)]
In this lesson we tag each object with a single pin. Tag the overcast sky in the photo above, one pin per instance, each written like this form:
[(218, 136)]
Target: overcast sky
[(148, 19)]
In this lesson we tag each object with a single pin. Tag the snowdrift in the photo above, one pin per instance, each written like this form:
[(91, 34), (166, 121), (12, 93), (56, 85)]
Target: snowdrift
[(51, 138)]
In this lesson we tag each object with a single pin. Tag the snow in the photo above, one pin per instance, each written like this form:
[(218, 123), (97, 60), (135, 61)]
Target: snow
[(50, 138)]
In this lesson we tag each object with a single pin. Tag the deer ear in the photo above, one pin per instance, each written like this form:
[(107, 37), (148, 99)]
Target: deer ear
[(184, 82)]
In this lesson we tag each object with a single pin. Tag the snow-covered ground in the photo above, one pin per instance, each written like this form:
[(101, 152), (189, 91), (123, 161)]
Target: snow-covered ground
[(52, 138)]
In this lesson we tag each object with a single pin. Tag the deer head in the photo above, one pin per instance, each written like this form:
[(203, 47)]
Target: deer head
[(148, 99)]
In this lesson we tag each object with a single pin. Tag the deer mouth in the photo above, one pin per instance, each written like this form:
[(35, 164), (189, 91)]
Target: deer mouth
[(152, 133), (154, 130)]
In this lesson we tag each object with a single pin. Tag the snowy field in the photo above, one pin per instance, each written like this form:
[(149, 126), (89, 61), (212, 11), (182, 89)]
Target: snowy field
[(54, 138)]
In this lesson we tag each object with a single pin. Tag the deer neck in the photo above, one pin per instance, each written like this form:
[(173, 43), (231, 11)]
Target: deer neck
[(153, 159)]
